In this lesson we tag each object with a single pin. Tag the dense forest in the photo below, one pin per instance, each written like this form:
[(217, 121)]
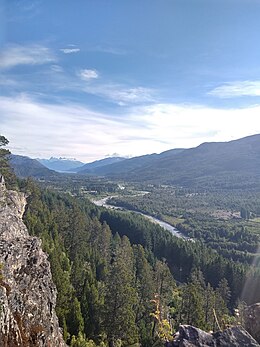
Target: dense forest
[(225, 221), (122, 279)]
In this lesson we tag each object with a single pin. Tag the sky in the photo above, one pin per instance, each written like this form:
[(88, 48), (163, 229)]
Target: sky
[(88, 79)]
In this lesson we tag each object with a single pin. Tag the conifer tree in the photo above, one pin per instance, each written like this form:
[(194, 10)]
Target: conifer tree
[(5, 169), (145, 287), (193, 300), (121, 296), (222, 297), (209, 301)]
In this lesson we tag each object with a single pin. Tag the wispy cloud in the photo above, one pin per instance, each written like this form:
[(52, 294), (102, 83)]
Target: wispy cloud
[(237, 89), (56, 68), (81, 132), (87, 74), (70, 50), (121, 94), (56, 79), (43, 129), (108, 50), (14, 55)]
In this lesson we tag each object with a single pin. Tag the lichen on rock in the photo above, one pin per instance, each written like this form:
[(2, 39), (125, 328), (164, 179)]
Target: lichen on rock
[(27, 291)]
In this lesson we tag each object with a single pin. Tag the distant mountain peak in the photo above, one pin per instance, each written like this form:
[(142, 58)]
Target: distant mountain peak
[(61, 164)]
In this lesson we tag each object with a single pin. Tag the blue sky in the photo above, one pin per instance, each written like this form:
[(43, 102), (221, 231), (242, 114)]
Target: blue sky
[(88, 79)]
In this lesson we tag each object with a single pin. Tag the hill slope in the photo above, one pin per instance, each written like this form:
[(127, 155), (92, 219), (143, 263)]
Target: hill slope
[(61, 164), (91, 167), (233, 164), (27, 167), (128, 166)]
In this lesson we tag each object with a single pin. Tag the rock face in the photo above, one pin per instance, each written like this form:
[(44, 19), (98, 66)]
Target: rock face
[(27, 292), (188, 336), (252, 320)]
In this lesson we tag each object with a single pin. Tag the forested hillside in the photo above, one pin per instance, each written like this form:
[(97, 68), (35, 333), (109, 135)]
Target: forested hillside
[(212, 165), (27, 167), (116, 274)]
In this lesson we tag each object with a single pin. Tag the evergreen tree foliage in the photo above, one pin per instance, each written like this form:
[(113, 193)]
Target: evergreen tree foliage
[(121, 296), (110, 268), (5, 169)]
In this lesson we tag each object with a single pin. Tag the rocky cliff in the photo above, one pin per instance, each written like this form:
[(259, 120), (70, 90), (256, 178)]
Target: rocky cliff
[(27, 292), (252, 320), (189, 336)]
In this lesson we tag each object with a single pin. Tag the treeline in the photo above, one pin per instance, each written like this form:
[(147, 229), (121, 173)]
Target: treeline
[(79, 185), (114, 274), (173, 200), (182, 256), (213, 219)]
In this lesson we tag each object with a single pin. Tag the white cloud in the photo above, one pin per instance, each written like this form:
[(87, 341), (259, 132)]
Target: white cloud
[(121, 94), (189, 125), (13, 55), (60, 130), (69, 130), (130, 95), (115, 92), (87, 74), (70, 50), (237, 89)]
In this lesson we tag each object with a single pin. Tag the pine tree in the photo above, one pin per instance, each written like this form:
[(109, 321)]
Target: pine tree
[(193, 301), (92, 302), (5, 169), (76, 322), (209, 301), (145, 293), (222, 297), (121, 297), (164, 286)]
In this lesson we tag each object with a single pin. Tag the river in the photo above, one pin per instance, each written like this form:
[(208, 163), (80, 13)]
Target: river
[(164, 225)]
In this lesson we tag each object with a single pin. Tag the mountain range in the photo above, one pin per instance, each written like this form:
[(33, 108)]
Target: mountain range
[(97, 164), (61, 164), (26, 167), (233, 164)]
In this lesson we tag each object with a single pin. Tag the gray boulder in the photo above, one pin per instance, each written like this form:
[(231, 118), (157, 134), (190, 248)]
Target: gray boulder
[(189, 336)]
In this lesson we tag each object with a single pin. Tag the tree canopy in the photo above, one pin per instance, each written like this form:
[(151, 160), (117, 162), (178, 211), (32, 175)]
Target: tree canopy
[(5, 169)]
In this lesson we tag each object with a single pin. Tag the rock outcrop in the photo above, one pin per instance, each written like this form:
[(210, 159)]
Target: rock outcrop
[(189, 336), (252, 320), (27, 292)]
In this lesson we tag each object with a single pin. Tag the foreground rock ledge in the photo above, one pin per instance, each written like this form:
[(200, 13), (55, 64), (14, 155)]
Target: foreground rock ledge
[(27, 292), (252, 320), (189, 336)]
